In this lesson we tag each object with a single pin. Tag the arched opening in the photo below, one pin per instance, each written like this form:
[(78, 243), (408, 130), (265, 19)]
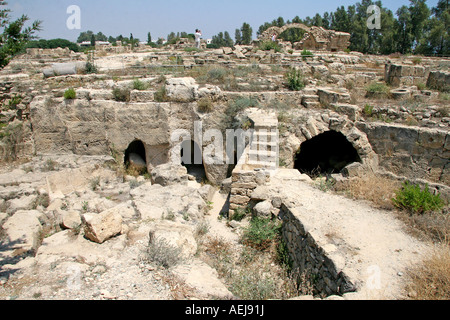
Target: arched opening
[(326, 153), (135, 158), (294, 34), (191, 158)]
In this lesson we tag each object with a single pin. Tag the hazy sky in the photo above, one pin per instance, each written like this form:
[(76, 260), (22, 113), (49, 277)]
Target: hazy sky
[(160, 17)]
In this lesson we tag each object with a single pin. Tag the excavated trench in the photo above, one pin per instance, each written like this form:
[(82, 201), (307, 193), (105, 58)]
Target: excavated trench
[(327, 153)]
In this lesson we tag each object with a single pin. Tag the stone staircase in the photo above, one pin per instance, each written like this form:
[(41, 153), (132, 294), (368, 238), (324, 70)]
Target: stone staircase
[(259, 161), (310, 98), (263, 151)]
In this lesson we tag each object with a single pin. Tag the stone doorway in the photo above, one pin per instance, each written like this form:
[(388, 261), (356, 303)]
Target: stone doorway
[(326, 153)]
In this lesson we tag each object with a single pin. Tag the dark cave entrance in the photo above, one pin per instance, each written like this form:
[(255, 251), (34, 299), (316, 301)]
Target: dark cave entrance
[(191, 158), (326, 153), (135, 157)]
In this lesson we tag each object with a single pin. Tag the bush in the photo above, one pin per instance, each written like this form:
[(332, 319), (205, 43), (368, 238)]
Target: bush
[(139, 85), (217, 74), (376, 87), (205, 105), (306, 53), (121, 94), (261, 233), (415, 200), (161, 94), (269, 45), (162, 253), (295, 81), (91, 68), (70, 94)]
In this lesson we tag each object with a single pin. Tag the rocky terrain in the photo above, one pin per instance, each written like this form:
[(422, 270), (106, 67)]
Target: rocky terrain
[(77, 223)]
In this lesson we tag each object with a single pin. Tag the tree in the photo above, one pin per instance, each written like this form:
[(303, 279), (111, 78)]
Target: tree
[(85, 36), (228, 42), (403, 30), (247, 32), (419, 13), (238, 36), (14, 36), (92, 40)]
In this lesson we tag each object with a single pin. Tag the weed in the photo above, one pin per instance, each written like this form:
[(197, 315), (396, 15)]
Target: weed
[(239, 214), (295, 81), (269, 45), (94, 183), (261, 233), (162, 253), (161, 94), (205, 105), (121, 94), (70, 94), (41, 200), (139, 85), (415, 200)]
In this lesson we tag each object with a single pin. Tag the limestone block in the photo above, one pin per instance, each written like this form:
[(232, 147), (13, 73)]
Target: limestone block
[(100, 227), (169, 174), (23, 230), (182, 89)]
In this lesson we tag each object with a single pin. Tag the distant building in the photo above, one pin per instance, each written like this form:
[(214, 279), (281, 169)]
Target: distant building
[(208, 41), (97, 43)]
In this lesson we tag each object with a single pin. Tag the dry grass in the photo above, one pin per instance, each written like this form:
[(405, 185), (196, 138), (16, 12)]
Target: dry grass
[(251, 274), (430, 280), (377, 189)]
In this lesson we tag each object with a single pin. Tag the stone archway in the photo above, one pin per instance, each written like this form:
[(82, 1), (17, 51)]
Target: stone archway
[(135, 156), (315, 38), (267, 35), (356, 144), (326, 153)]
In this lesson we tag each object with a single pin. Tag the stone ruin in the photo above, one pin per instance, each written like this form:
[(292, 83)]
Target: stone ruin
[(315, 38), (96, 125)]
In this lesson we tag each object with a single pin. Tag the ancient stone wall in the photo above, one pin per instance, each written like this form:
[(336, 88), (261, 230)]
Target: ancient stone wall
[(412, 152), (310, 259), (408, 75), (439, 80)]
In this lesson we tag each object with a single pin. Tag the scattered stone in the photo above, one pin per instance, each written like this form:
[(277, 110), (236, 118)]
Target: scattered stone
[(100, 227)]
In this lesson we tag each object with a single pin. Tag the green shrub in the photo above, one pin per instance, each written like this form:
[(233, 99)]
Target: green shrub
[(377, 87), (368, 110), (412, 198), (139, 85), (269, 45), (70, 94), (306, 53), (261, 233), (91, 68), (295, 81), (121, 94)]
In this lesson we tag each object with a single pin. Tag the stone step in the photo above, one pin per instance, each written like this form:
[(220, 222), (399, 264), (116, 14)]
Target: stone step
[(310, 98), (311, 105), (256, 154)]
